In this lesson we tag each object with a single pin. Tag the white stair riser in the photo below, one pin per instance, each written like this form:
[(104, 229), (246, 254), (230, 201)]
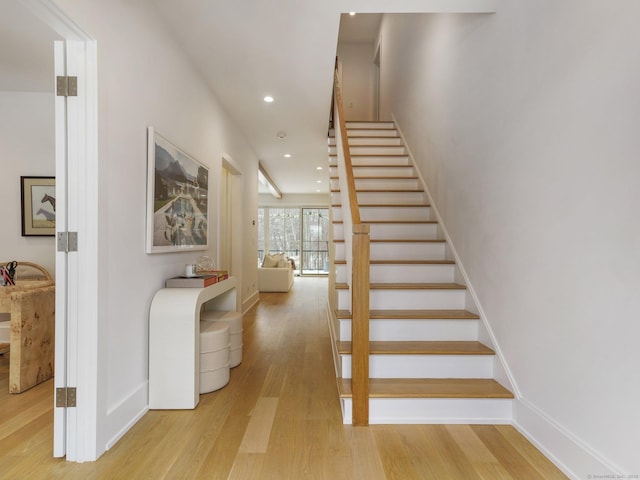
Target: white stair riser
[(404, 273), (371, 132), (400, 251), (368, 171), (418, 330), (385, 198), (408, 299), (435, 410), (372, 125), (357, 160), (382, 184), (395, 231), (361, 140), (367, 214), (425, 366), (366, 150), (407, 251)]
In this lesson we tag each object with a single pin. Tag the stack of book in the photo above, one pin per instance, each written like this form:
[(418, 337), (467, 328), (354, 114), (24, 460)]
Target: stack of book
[(202, 280), (221, 274)]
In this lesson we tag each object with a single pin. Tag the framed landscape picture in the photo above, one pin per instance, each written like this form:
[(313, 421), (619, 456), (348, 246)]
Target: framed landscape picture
[(38, 205), (177, 198)]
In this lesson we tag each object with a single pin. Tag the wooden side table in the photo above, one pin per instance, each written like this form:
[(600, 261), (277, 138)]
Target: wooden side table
[(174, 341), (31, 304)]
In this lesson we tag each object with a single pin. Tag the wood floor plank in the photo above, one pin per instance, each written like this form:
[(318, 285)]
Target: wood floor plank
[(508, 456), (396, 461), (256, 436), (531, 453), (247, 465), (484, 463)]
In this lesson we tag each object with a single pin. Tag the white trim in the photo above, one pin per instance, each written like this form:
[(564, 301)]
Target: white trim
[(250, 302), (574, 457), (57, 19), (128, 412), (236, 205), (501, 362)]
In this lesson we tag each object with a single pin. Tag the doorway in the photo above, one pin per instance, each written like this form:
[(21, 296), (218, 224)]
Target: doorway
[(229, 228), (376, 84)]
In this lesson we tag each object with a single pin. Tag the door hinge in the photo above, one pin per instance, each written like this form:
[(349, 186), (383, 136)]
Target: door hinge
[(67, 86), (67, 241), (66, 397)]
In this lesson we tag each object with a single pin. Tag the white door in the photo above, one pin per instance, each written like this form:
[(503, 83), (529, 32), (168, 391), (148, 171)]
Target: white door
[(76, 264), (76, 138)]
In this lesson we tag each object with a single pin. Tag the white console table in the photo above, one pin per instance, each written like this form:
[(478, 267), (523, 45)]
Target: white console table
[(174, 341)]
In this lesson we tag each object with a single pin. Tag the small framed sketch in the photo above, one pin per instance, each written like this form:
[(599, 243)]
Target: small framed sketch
[(38, 202), (177, 199)]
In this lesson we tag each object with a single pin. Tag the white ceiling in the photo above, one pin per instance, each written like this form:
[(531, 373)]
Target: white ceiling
[(245, 50)]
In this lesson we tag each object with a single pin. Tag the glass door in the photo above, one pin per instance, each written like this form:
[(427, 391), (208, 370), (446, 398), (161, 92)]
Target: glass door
[(314, 257)]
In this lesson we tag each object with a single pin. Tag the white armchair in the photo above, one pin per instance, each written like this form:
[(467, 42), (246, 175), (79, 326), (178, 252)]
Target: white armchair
[(275, 274)]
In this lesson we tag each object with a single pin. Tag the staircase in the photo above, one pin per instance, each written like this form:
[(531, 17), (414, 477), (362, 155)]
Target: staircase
[(426, 363)]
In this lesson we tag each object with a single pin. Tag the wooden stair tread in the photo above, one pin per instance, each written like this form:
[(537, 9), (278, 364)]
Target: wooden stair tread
[(408, 286), (396, 240), (421, 348), (402, 262), (390, 137), (384, 205), (386, 190), (377, 165), (382, 177), (394, 222), (429, 388), (4, 348), (414, 314), (407, 240), (373, 154)]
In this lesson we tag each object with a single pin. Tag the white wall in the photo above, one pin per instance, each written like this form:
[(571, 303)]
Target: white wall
[(144, 79), (525, 125), (27, 146), (357, 80)]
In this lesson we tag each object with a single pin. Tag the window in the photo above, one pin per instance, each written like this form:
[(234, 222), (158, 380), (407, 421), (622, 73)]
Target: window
[(300, 233)]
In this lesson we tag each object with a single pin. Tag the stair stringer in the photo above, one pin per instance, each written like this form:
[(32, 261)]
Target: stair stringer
[(501, 371)]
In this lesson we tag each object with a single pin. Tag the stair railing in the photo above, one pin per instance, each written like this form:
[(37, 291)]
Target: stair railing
[(357, 248)]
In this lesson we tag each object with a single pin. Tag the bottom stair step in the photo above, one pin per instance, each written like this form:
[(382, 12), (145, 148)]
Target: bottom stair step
[(429, 388)]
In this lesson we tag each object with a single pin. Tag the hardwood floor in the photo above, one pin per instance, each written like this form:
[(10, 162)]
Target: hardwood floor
[(278, 418)]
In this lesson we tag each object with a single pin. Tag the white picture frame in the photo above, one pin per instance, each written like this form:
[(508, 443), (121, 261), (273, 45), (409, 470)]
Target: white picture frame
[(177, 198)]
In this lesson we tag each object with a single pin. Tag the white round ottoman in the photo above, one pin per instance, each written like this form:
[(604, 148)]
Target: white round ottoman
[(234, 320), (214, 356)]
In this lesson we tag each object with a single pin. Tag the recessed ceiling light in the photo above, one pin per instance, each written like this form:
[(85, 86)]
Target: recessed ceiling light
[(318, 168), (318, 181), (318, 190), (281, 134), (351, 14), (268, 99), (287, 155)]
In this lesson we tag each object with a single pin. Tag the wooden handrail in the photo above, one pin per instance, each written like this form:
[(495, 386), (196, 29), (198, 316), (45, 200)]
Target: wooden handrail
[(360, 257), (351, 183)]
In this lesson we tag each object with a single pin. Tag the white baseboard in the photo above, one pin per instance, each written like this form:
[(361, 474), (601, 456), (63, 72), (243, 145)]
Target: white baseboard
[(126, 414), (576, 459), (250, 302)]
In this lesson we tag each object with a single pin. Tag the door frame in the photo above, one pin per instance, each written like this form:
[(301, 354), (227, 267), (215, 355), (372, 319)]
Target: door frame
[(230, 206), (76, 138)]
